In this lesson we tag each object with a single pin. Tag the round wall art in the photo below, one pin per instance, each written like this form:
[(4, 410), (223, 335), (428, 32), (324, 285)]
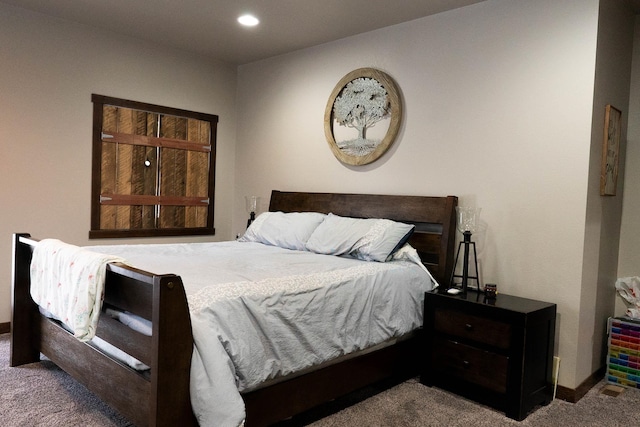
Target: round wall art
[(363, 116)]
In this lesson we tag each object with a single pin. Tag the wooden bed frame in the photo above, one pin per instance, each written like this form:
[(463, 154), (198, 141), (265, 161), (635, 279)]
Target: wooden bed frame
[(162, 398)]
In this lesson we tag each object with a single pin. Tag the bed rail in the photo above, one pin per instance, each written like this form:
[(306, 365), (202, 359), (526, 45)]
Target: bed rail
[(160, 399)]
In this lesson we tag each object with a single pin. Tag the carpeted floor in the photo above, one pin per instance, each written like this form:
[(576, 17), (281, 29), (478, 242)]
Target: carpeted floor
[(40, 394)]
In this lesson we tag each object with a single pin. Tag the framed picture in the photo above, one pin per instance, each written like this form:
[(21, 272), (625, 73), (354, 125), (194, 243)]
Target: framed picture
[(363, 116), (610, 151)]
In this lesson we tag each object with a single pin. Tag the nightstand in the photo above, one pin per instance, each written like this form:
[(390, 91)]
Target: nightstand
[(498, 352)]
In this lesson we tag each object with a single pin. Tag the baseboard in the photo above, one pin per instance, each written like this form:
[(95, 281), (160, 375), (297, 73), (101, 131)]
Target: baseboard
[(574, 395), (5, 328)]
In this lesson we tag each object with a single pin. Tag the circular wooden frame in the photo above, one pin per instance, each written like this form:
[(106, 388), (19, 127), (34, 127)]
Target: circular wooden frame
[(395, 107)]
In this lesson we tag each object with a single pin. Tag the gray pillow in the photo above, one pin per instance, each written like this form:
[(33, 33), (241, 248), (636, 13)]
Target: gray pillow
[(366, 239), (286, 230)]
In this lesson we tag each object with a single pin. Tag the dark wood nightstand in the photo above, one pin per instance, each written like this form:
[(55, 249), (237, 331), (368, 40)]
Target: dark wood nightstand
[(497, 352)]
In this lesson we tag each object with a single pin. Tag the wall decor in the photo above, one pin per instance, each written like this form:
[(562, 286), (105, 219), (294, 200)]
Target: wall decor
[(610, 151), (363, 99), (152, 170)]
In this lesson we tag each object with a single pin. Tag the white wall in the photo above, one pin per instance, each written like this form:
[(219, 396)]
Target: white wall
[(498, 103), (629, 262), (602, 233), (48, 70)]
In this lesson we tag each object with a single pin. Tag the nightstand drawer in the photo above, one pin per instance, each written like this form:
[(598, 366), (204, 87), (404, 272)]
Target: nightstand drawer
[(479, 329), (459, 361)]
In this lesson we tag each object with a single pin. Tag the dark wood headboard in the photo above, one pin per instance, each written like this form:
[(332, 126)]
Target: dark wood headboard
[(434, 218)]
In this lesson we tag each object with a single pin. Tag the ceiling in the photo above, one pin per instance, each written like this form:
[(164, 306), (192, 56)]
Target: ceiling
[(209, 27)]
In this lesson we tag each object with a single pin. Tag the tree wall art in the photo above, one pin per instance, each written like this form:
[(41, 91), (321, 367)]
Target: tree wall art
[(363, 116)]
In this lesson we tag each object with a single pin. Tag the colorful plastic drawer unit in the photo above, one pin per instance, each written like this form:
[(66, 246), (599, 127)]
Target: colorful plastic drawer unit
[(623, 361)]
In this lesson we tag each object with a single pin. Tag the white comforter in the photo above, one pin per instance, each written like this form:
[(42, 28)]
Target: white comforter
[(259, 312)]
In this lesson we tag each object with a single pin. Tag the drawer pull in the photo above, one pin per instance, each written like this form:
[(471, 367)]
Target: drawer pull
[(466, 363), (468, 326)]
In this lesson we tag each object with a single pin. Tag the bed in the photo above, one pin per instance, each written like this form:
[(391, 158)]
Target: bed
[(163, 396)]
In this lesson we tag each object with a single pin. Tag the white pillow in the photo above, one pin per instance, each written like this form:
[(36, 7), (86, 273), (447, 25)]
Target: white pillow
[(366, 239), (338, 235), (286, 230)]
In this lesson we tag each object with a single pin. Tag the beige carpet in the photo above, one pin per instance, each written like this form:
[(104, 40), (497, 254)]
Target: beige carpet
[(412, 404), (40, 394)]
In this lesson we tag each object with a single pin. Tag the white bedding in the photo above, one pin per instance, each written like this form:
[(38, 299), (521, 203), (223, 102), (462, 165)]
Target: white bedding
[(77, 303), (260, 311)]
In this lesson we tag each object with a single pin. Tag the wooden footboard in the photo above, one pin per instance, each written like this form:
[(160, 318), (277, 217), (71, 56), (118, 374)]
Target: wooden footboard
[(158, 399)]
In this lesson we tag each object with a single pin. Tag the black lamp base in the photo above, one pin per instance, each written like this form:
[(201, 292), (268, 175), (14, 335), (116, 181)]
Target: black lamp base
[(252, 216), (467, 243)]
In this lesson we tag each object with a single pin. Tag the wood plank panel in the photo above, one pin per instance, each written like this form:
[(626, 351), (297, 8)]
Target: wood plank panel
[(144, 170), (190, 212), (138, 168), (204, 137), (181, 171), (124, 165), (196, 186), (141, 199), (197, 173), (152, 141), (167, 171), (108, 168), (151, 173)]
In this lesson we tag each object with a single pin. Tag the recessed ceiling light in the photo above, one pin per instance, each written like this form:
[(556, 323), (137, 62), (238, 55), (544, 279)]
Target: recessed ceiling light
[(248, 20)]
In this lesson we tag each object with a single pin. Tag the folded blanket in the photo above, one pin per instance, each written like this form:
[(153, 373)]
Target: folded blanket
[(68, 281)]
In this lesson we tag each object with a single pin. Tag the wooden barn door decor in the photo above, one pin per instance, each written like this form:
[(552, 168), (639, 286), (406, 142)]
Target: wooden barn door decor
[(153, 170)]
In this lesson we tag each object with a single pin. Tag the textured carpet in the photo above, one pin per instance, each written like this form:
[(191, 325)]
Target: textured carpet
[(40, 394), (412, 404)]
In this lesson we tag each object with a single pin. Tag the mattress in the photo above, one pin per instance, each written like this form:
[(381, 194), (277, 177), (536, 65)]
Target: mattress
[(261, 312)]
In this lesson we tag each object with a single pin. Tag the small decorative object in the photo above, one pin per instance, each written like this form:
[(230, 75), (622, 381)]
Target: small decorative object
[(252, 204), (610, 151), (363, 98), (490, 290), (467, 224)]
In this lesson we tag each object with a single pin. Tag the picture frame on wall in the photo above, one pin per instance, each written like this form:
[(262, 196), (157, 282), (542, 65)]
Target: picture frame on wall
[(363, 116), (610, 151)]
